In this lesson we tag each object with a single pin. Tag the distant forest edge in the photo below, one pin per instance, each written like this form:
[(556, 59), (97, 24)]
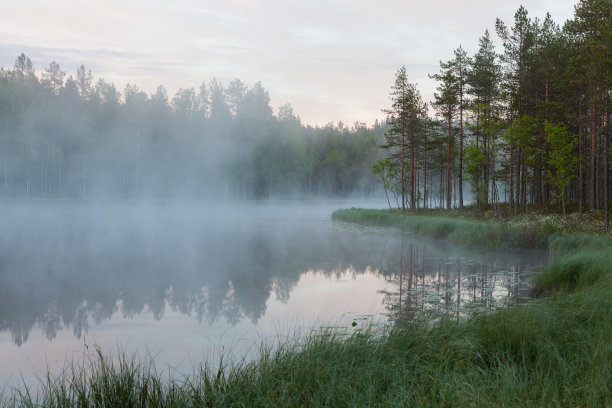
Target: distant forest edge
[(81, 138), (528, 125)]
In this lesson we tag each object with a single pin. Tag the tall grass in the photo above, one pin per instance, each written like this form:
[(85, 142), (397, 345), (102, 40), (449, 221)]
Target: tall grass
[(583, 260), (563, 244)]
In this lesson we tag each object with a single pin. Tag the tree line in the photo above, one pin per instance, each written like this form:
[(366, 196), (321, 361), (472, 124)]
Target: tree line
[(75, 137), (529, 125)]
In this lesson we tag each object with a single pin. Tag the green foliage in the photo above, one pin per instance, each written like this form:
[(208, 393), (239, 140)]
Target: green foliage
[(522, 131), (447, 98), (485, 74), (475, 159), (562, 160), (384, 170)]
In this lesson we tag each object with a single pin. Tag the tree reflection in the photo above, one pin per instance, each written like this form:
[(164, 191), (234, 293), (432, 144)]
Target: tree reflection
[(77, 272), (58, 273), (438, 280)]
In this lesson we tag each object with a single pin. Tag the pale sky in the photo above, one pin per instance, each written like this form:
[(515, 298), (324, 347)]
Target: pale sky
[(332, 60)]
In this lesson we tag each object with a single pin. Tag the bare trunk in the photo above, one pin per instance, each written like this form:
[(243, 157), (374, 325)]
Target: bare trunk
[(461, 145), (412, 201), (606, 158), (402, 171), (448, 166), (580, 152), (441, 192), (517, 199), (424, 179), (593, 172), (511, 177)]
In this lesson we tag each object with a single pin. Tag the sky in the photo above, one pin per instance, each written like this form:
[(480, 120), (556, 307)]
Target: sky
[(332, 60)]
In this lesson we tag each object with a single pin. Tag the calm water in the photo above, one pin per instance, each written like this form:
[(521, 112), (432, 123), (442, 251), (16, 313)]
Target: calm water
[(188, 282)]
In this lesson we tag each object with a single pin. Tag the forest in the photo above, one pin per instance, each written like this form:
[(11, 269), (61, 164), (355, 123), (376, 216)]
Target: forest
[(526, 125), (74, 137)]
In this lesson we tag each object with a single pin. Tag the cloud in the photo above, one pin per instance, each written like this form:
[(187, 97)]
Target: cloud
[(333, 60)]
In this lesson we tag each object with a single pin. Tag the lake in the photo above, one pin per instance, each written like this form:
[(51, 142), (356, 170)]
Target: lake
[(188, 282)]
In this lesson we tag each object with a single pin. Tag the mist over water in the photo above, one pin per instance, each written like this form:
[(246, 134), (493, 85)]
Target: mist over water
[(188, 281)]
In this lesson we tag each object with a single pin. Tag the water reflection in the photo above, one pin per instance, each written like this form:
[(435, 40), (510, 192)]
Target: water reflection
[(437, 279), (73, 266)]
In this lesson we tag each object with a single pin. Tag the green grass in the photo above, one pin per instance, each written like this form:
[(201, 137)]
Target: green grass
[(531, 235), (554, 351), (583, 260)]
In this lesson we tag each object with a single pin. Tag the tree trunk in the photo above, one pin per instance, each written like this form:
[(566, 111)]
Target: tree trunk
[(461, 144), (580, 161), (412, 201), (563, 202), (441, 191), (424, 178), (517, 199), (511, 177), (448, 166), (402, 171), (606, 158), (593, 172)]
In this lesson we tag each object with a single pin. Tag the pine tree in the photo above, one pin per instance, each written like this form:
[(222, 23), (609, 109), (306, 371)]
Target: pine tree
[(53, 77), (447, 104), (405, 115), (460, 67), (483, 86)]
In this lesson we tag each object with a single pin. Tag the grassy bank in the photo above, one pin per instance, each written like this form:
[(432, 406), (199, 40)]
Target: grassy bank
[(553, 351), (583, 261), (531, 235)]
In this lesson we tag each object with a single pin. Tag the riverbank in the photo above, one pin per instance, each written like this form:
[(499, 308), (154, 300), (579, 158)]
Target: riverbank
[(553, 351)]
